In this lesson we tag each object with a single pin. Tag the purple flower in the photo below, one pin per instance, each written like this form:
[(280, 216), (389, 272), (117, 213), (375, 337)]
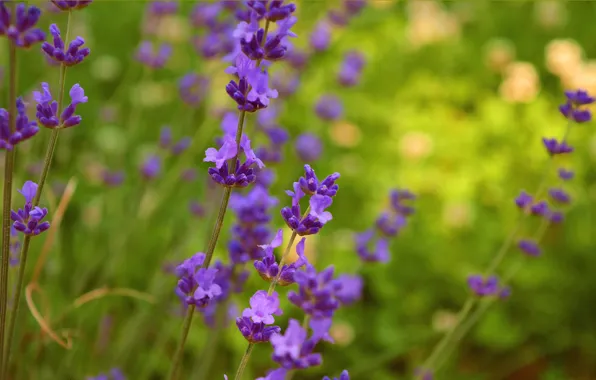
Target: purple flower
[(329, 107), (47, 107), (381, 247), (320, 37), (277, 374), (67, 5), (69, 57), (571, 109), (523, 200), (351, 289), (181, 146), (483, 287), (540, 209), (20, 25), (112, 178), (162, 8), (263, 307), (556, 217), (249, 78), (165, 137), (423, 374), (272, 10), (559, 195), (244, 173), (25, 129), (193, 88), (310, 184), (318, 204), (529, 247), (28, 219), (308, 147), (554, 147), (256, 332), (260, 91), (565, 175), (344, 376), (268, 268), (316, 294), (252, 224), (196, 209), (68, 118), (351, 69), (285, 82), (196, 285), (293, 350), (149, 57), (151, 167)]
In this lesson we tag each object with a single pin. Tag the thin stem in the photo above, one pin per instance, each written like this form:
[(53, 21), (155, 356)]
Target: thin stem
[(7, 196), (180, 349), (42, 179), (443, 344), (244, 361)]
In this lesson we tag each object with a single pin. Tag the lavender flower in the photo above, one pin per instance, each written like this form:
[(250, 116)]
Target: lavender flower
[(113, 178), (193, 88), (273, 10), (251, 229), (149, 57), (565, 175), (523, 200), (350, 290), (277, 374), (320, 37), (309, 183), (381, 247), (554, 147), (165, 137), (559, 195), (329, 108), (162, 8), (151, 167), (529, 247), (20, 26), (196, 209), (351, 69), (28, 219), (293, 350), (316, 294), (263, 307), (25, 129), (69, 57), (67, 5), (344, 376), (573, 110), (181, 145), (256, 332), (252, 91), (196, 285), (483, 286), (268, 268), (308, 147)]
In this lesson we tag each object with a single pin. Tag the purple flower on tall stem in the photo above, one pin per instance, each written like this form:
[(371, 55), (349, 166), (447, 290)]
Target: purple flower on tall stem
[(25, 129), (483, 286), (28, 219), (193, 88), (67, 5), (573, 108), (343, 376), (20, 25), (268, 267), (320, 37), (565, 174), (316, 294), (149, 57), (151, 167), (293, 350), (69, 57), (529, 247), (554, 147), (351, 69), (47, 107), (196, 285), (113, 178), (263, 307)]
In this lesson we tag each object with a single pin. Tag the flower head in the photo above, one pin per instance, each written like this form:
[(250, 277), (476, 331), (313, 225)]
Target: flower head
[(293, 350), (28, 219), (343, 376), (317, 292), (24, 130), (329, 107), (57, 52), (67, 5), (309, 147), (263, 307), (483, 286), (19, 26), (529, 247), (147, 55), (573, 108), (268, 268)]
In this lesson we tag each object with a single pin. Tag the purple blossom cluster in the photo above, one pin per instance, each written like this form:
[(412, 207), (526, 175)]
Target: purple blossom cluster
[(268, 267), (56, 51), (47, 107), (196, 285), (68, 5), (487, 286), (29, 219), (25, 129), (166, 142), (19, 26), (373, 245)]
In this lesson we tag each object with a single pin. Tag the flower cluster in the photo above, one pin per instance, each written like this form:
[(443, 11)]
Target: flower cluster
[(25, 129), (165, 142), (320, 198), (252, 91), (252, 224), (47, 107), (29, 219), (19, 26), (154, 59), (329, 108), (574, 109), (69, 57), (215, 23), (294, 349), (196, 285), (487, 286), (351, 69), (317, 292), (192, 89), (115, 373), (343, 376), (268, 267), (350, 8), (256, 320), (68, 5), (388, 225)]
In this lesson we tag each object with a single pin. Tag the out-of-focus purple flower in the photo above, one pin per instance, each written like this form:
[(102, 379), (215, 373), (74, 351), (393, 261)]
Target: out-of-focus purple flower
[(14, 247), (320, 37), (147, 55), (351, 289), (540, 209), (25, 129), (272, 10), (205, 14), (329, 107), (277, 374), (28, 219), (268, 267), (565, 174), (165, 137), (554, 147), (556, 217), (380, 252), (343, 376), (196, 285), (112, 178), (529, 247), (19, 26), (286, 83), (67, 5), (483, 286), (559, 195), (293, 350), (263, 307), (162, 8), (57, 52), (353, 7), (317, 291), (151, 167), (115, 374), (189, 175), (196, 209), (423, 374), (252, 224), (297, 58), (351, 69), (181, 145), (308, 147), (523, 200), (573, 110), (193, 88)]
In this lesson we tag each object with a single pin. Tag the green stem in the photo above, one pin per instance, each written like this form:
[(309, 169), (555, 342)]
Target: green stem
[(244, 361), (7, 197), (180, 349), (42, 180), (444, 343)]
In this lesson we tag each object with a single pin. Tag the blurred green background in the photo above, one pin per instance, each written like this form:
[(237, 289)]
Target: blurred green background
[(453, 102)]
